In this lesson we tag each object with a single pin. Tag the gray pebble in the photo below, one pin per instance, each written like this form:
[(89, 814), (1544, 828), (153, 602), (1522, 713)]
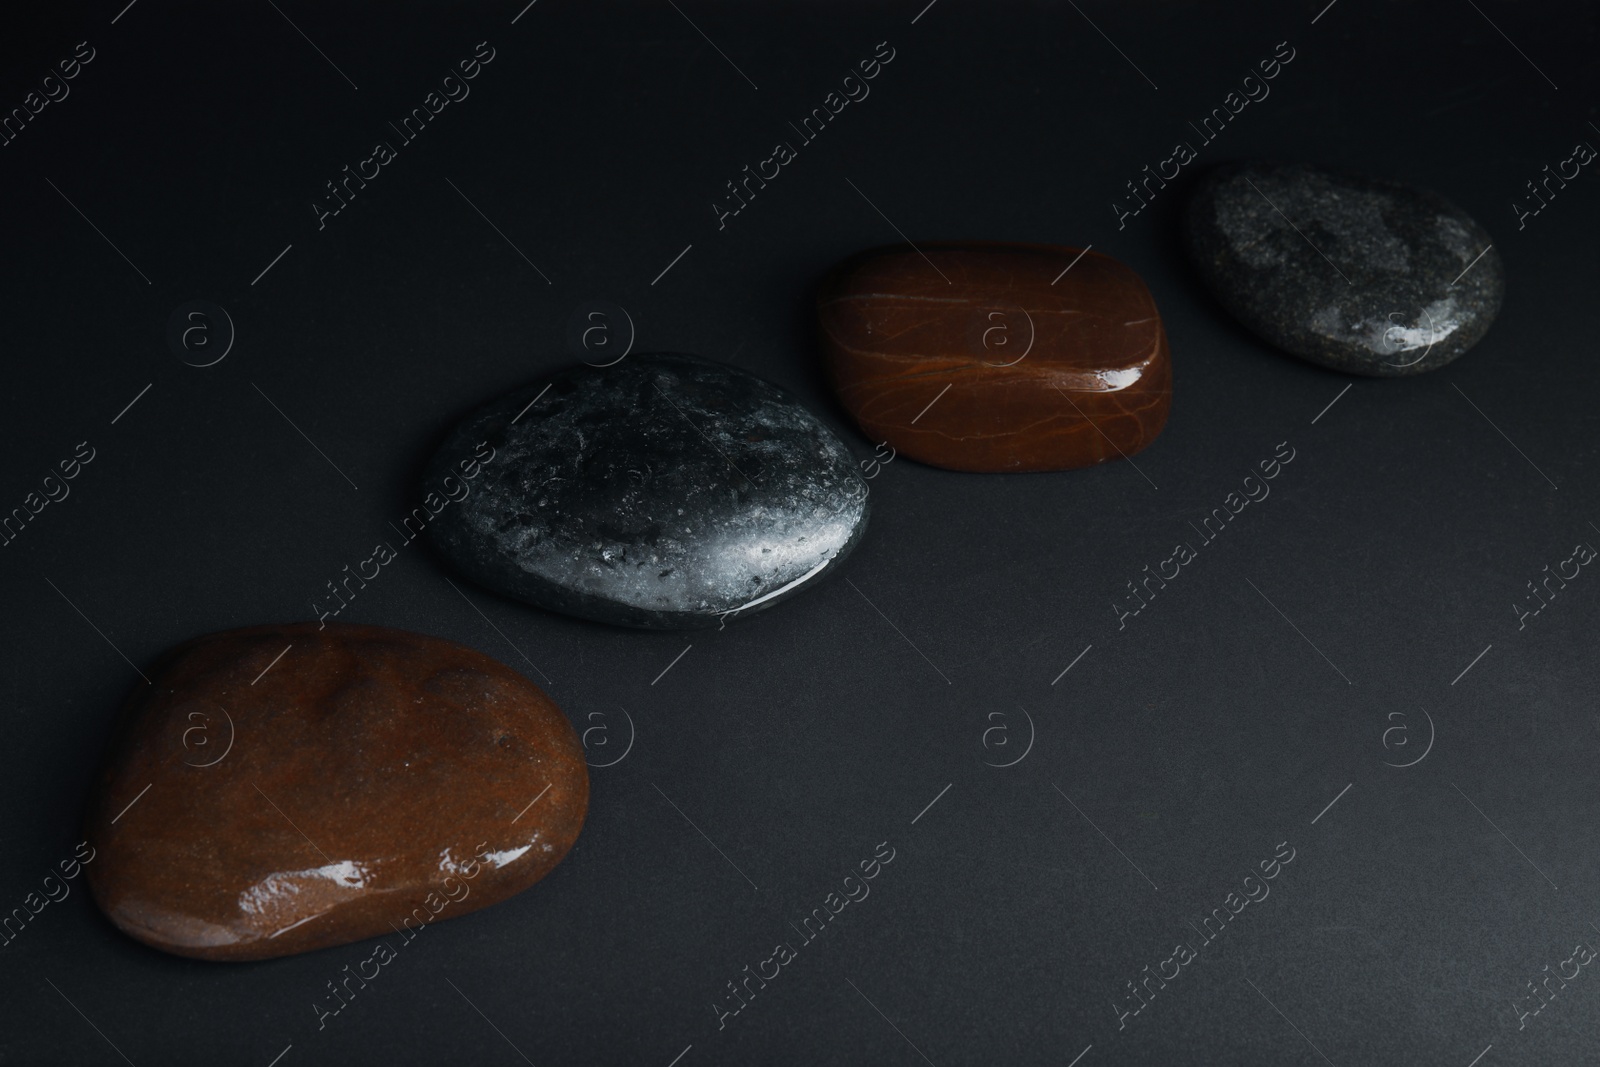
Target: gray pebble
[(666, 492), (1361, 275)]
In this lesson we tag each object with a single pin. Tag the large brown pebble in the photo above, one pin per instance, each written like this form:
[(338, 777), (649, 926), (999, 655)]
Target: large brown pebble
[(989, 356), (367, 781)]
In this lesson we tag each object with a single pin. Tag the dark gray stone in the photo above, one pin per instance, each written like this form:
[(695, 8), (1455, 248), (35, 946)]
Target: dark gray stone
[(666, 492), (1365, 276)]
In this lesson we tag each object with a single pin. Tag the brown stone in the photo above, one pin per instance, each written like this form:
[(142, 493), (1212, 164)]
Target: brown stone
[(985, 356), (369, 781)]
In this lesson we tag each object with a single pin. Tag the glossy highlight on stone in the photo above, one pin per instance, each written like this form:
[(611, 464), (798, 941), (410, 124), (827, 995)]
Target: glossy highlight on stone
[(279, 789), (991, 356), (1366, 276), (665, 492)]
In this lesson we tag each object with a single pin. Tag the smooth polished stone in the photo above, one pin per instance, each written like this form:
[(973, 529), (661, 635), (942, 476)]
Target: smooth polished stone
[(988, 356), (1361, 275), (665, 492), (284, 788)]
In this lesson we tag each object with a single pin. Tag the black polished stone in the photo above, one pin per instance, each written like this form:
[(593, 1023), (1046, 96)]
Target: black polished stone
[(665, 492), (1361, 275)]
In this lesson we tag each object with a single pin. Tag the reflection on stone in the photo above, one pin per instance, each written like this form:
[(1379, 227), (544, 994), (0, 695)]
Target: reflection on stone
[(1365, 276), (986, 356), (378, 779)]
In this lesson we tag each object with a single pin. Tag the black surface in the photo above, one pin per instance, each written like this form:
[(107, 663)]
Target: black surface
[(1196, 739), (662, 491)]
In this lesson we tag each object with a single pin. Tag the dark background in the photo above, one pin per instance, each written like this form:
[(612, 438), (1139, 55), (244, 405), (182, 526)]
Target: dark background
[(1190, 743)]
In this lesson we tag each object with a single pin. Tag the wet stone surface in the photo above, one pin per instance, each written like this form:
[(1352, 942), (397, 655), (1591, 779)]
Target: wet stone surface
[(1365, 276), (666, 492), (285, 788), (996, 356)]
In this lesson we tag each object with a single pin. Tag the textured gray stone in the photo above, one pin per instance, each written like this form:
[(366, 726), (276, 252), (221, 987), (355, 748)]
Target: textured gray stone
[(1365, 276), (666, 492)]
